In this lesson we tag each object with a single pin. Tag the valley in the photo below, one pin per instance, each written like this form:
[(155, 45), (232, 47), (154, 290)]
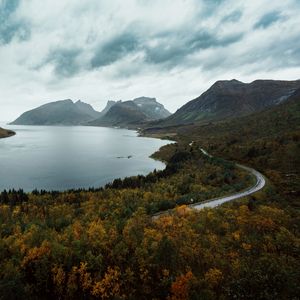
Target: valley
[(149, 150), (86, 243)]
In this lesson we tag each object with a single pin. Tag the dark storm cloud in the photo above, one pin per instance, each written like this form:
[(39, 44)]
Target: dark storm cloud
[(204, 40), (9, 26), (186, 44), (64, 61), (124, 48), (268, 19), (175, 47), (171, 48), (114, 50)]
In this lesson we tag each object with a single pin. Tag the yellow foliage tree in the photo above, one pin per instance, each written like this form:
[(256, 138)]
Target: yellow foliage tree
[(110, 286), (180, 287)]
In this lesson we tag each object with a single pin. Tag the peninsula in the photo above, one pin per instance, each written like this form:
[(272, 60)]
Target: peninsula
[(6, 133)]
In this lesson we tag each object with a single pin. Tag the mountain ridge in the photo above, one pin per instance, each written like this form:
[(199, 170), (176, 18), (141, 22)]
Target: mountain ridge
[(232, 98), (116, 113), (122, 114), (60, 112), (131, 113)]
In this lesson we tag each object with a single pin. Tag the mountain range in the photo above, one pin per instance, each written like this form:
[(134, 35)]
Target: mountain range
[(230, 99), (225, 99), (131, 113), (116, 113)]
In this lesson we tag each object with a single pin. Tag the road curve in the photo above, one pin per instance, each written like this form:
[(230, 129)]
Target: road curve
[(211, 203)]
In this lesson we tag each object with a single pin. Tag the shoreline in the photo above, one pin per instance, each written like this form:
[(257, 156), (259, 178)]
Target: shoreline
[(6, 133)]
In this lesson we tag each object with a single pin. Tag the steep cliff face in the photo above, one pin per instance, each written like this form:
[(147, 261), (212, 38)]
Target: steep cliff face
[(151, 108)]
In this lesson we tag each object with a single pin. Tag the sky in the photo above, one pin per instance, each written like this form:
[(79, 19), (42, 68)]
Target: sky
[(99, 50)]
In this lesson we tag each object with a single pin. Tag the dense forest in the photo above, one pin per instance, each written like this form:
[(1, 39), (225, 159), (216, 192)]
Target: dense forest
[(104, 243)]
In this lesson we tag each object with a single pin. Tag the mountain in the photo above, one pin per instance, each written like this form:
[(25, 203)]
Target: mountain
[(62, 112), (121, 114), (229, 99), (267, 140), (131, 113), (109, 104), (151, 108), (88, 109)]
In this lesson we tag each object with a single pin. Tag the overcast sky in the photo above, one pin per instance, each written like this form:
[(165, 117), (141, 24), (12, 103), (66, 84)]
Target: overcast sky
[(99, 50)]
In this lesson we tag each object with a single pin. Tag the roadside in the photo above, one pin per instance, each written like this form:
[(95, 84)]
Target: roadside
[(212, 203)]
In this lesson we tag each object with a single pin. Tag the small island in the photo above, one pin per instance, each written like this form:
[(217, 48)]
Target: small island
[(4, 133)]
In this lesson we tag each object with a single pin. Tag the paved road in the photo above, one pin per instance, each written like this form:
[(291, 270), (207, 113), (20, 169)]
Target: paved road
[(260, 183), (211, 203)]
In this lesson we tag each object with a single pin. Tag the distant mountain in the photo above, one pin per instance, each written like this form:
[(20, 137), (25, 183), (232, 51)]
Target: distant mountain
[(121, 114), (88, 109), (230, 99), (63, 112), (131, 113), (151, 108), (109, 104)]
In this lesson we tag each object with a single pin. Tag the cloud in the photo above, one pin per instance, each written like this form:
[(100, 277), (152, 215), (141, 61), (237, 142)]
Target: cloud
[(175, 49), (64, 61), (204, 40), (172, 49), (114, 49), (268, 19), (11, 27)]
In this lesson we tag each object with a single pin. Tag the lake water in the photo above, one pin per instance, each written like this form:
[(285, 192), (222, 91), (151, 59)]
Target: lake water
[(61, 158)]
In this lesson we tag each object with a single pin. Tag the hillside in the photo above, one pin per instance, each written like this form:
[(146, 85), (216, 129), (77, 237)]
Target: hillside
[(231, 99), (6, 133), (63, 112), (88, 109), (268, 141), (109, 104), (121, 114), (131, 113), (151, 108)]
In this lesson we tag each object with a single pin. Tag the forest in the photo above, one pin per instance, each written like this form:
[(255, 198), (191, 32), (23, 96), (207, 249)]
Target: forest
[(104, 243)]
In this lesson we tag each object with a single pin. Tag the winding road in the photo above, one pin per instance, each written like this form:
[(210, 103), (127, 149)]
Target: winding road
[(211, 203)]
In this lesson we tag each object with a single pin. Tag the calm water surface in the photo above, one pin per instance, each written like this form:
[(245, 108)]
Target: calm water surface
[(60, 158)]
